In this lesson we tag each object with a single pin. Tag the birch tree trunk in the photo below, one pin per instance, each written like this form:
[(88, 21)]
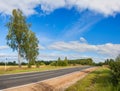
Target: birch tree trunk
[(19, 58)]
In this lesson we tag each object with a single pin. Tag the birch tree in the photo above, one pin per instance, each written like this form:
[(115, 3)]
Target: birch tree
[(17, 30), (31, 48)]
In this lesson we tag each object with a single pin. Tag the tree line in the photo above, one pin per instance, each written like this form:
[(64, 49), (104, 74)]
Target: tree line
[(65, 62), (58, 62)]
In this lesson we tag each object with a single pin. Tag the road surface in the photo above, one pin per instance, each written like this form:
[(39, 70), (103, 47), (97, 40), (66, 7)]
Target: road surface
[(7, 81)]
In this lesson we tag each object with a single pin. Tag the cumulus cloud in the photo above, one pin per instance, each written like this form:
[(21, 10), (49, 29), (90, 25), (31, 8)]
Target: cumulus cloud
[(73, 46), (27, 6), (108, 49), (106, 7), (51, 5), (4, 47)]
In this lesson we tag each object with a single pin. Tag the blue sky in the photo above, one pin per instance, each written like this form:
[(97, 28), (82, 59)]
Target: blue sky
[(72, 28)]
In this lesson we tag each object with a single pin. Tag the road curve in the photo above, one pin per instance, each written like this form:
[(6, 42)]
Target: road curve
[(7, 81)]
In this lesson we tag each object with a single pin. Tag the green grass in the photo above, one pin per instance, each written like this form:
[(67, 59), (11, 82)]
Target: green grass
[(99, 80), (15, 69)]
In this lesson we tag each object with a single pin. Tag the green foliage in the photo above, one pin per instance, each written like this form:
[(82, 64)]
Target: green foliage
[(42, 63), (66, 61), (87, 61), (29, 65), (62, 62), (45, 62), (99, 80), (17, 30), (54, 63), (23, 63), (99, 64), (37, 65), (9, 63), (20, 38), (108, 61), (115, 67), (31, 47)]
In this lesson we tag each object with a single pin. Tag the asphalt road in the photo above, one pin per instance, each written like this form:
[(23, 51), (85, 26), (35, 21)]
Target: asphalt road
[(7, 81)]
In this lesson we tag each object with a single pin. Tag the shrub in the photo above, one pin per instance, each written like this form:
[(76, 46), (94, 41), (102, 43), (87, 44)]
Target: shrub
[(115, 67), (53, 64), (37, 65), (42, 63)]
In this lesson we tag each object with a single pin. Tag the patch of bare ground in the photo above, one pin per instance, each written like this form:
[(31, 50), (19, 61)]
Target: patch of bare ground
[(55, 84)]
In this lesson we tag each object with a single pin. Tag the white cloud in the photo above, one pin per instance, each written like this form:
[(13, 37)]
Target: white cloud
[(73, 46), (108, 49), (27, 6), (83, 40), (51, 5), (4, 47), (106, 7)]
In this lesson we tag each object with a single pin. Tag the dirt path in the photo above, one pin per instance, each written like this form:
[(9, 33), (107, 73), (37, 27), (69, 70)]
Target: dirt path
[(54, 84)]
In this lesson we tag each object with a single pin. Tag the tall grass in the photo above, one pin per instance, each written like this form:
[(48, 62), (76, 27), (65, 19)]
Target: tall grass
[(99, 80)]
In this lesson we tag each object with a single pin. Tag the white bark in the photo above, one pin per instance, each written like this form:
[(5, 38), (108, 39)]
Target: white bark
[(19, 58)]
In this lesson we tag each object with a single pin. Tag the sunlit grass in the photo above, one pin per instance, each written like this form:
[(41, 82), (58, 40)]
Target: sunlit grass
[(99, 80)]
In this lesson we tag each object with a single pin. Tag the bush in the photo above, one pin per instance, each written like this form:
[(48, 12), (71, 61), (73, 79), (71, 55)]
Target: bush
[(42, 63), (37, 65), (53, 64), (61, 63), (115, 67)]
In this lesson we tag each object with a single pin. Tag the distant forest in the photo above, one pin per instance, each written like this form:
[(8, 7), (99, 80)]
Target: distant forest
[(58, 62)]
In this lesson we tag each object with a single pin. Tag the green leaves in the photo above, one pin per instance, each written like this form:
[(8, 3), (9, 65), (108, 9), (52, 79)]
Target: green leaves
[(115, 67), (31, 46), (20, 38), (17, 28)]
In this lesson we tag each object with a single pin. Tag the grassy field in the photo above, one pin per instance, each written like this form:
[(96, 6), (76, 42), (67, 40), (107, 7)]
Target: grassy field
[(15, 69), (99, 80)]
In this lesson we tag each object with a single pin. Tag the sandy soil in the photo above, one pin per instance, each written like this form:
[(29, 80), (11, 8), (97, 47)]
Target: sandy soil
[(54, 84)]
